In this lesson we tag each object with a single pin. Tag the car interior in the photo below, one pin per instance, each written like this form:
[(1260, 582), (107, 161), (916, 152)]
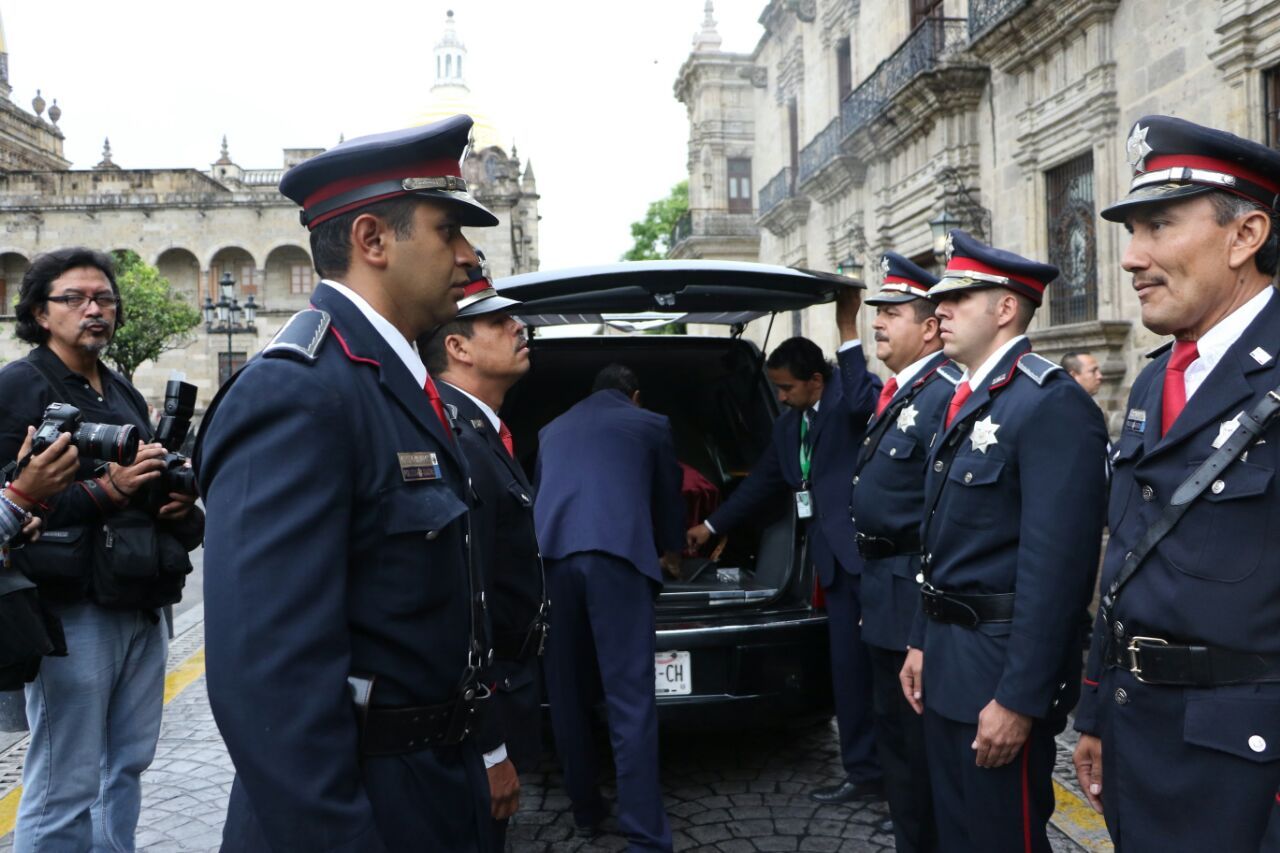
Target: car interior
[(721, 410)]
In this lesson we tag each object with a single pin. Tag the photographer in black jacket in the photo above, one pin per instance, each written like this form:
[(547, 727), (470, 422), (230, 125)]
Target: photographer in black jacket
[(112, 556)]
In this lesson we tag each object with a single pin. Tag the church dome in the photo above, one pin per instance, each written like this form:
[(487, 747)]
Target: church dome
[(450, 93)]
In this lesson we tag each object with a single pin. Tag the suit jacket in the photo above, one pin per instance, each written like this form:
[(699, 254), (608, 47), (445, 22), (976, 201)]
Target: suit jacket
[(328, 555), (847, 402), (1013, 505), (888, 498), (608, 480), (505, 549), (1213, 579)]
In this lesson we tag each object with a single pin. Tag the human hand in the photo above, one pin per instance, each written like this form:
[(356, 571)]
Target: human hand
[(848, 303), (696, 537), (47, 473), (178, 507), (127, 479), (1088, 761), (504, 790), (1001, 734), (31, 530), (912, 679)]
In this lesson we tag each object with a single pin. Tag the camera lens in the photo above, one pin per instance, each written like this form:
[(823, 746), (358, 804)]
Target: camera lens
[(118, 444), (182, 479)]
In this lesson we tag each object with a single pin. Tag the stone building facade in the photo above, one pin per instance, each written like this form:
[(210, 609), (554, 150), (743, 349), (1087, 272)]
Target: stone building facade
[(869, 119), (196, 224)]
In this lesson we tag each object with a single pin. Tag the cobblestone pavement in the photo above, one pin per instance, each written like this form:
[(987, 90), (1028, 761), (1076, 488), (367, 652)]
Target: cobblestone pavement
[(727, 793)]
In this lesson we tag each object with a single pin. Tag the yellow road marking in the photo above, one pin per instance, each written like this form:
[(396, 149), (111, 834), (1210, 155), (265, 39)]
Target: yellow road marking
[(1074, 811), (174, 683)]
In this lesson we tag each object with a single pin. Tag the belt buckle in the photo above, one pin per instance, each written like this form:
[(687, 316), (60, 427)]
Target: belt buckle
[(1135, 646)]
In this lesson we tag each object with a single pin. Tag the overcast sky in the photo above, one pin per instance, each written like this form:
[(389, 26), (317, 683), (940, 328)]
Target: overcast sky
[(583, 86)]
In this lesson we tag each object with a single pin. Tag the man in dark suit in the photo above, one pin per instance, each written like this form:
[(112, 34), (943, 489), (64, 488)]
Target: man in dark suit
[(887, 507), (608, 504), (810, 460), (1180, 710), (342, 638), (477, 358), (1012, 528)]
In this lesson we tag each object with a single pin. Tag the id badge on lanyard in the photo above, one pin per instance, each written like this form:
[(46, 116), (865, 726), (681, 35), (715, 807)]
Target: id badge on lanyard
[(804, 497), (804, 503)]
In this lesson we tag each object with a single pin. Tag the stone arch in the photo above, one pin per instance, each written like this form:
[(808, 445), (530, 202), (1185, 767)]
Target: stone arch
[(13, 265), (237, 261), (182, 268), (288, 277)]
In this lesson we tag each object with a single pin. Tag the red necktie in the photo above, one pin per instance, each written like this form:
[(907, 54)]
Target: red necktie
[(504, 435), (434, 396), (1175, 383), (886, 394), (957, 401)]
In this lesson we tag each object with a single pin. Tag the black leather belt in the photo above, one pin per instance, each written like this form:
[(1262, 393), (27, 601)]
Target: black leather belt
[(396, 731), (882, 547), (968, 611), (1156, 661)]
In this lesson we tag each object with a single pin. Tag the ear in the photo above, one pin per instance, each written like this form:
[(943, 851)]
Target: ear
[(1249, 234), (369, 239), (41, 315), (929, 329), (1007, 309), (455, 347), (635, 396)]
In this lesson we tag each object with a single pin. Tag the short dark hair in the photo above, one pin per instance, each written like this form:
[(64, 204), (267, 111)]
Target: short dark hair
[(431, 345), (38, 280), (331, 240), (1071, 361), (924, 309), (1228, 207), (1026, 307), (616, 377), (802, 357)]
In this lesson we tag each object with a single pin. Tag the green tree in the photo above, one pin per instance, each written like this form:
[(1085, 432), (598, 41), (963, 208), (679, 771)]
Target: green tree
[(156, 319), (652, 235)]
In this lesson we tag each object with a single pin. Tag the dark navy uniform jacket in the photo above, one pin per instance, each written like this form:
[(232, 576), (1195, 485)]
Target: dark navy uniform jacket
[(888, 498), (330, 554), (608, 480), (847, 401), (1214, 580), (505, 548), (1013, 503)]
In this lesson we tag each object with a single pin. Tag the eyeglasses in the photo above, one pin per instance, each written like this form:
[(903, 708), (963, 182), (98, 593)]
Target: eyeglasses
[(76, 301)]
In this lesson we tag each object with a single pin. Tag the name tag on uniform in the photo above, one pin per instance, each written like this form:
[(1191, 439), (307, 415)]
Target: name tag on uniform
[(1137, 421), (418, 466), (804, 504)]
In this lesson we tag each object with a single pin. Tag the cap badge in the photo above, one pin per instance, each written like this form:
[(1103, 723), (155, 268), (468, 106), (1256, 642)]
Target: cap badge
[(1137, 147), (907, 417), (884, 264), (950, 247), (984, 434)]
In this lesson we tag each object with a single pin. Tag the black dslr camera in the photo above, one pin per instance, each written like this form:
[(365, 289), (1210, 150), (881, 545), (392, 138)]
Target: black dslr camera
[(109, 443), (171, 432)]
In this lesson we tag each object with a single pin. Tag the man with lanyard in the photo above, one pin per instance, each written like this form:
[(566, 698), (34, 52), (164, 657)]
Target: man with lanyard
[(1180, 710), (1011, 534), (341, 611), (887, 507), (478, 357), (810, 460)]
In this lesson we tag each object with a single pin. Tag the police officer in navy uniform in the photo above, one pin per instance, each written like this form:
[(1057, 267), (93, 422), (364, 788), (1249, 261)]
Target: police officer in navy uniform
[(476, 359), (810, 460), (341, 615), (1180, 712), (887, 506), (1011, 534)]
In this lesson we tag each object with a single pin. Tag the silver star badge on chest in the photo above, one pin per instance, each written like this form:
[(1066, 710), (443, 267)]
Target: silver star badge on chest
[(1137, 147), (984, 434), (907, 417)]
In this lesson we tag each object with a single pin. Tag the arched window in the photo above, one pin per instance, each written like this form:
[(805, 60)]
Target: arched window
[(459, 74), (448, 65)]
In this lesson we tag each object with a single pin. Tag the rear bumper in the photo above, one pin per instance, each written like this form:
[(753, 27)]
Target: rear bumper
[(750, 674)]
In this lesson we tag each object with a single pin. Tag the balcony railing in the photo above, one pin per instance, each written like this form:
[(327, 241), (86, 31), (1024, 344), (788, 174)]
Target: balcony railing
[(683, 228), (781, 187), (824, 148), (933, 39), (985, 14)]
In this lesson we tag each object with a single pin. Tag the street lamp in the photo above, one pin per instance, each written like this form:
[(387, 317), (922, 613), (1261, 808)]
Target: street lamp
[(224, 315), (850, 267), (940, 227)]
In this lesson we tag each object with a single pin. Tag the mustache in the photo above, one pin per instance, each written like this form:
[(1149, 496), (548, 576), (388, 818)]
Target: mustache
[(880, 338), (1145, 281), (88, 322)]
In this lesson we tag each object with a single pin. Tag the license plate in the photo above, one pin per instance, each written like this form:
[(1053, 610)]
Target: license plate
[(673, 673)]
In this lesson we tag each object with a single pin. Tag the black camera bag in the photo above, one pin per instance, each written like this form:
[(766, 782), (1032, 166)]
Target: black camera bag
[(137, 564), (59, 562), (28, 631)]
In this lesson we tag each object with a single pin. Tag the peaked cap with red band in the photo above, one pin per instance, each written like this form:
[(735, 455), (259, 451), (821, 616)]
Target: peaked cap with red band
[(480, 297), (903, 281), (1172, 158), (419, 161), (971, 265)]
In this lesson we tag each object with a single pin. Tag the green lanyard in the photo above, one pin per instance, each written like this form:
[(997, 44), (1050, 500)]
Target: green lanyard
[(805, 450)]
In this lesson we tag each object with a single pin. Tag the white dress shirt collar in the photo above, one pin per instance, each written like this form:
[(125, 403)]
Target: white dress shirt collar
[(979, 376), (907, 375), (489, 413), (1215, 342), (398, 342)]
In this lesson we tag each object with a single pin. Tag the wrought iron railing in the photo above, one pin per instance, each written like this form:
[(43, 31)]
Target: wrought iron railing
[(820, 151), (928, 43), (985, 14), (683, 228), (781, 187)]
